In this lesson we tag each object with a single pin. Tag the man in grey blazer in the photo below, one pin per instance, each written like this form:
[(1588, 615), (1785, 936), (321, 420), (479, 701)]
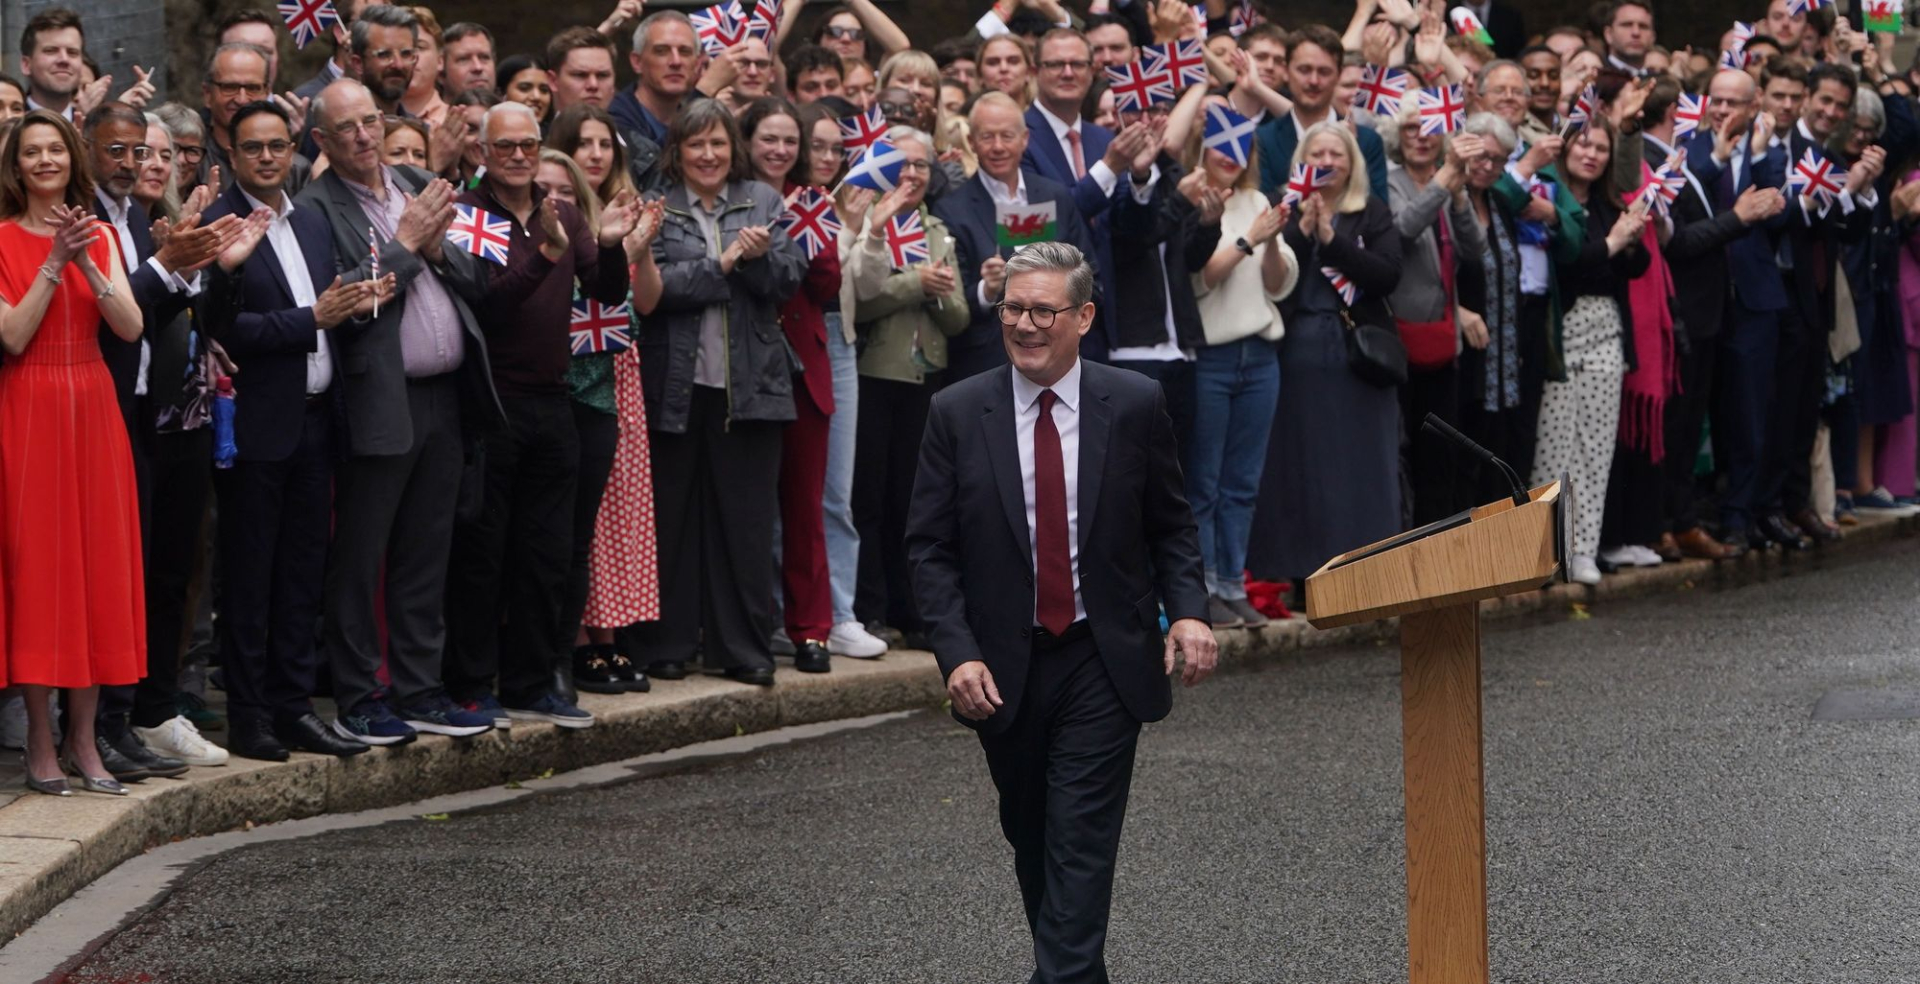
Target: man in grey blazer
[(415, 381)]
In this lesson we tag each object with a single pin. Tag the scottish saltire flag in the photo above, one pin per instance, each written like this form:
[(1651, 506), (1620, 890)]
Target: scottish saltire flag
[(907, 240), (1184, 60), (480, 233), (1816, 177), (720, 26), (878, 168), (1229, 133), (1467, 24), (764, 21), (600, 327), (1304, 181), (861, 131), (1135, 87), (1689, 113), (1442, 109), (811, 220), (1341, 285), (1381, 89), (308, 19)]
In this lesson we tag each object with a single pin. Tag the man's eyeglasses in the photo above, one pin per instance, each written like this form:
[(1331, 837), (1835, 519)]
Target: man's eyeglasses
[(120, 152), (847, 33), (1042, 316), (228, 90), (371, 123), (269, 148), (505, 149), (757, 64)]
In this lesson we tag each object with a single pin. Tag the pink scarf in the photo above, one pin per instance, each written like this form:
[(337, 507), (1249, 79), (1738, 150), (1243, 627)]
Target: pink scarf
[(1655, 374)]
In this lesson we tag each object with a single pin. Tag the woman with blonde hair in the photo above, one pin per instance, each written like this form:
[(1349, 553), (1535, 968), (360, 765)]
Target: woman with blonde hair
[(1328, 416), (916, 72)]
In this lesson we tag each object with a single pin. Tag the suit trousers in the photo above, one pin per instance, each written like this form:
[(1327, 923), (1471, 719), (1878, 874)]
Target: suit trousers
[(1750, 347), (182, 464), (599, 435), (893, 417), (273, 559), (1800, 379), (803, 535), (395, 510), (714, 502), (1063, 770), (508, 576)]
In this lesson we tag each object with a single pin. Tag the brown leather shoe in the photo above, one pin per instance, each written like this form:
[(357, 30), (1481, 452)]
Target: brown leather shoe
[(1668, 548), (1699, 543), (1821, 530)]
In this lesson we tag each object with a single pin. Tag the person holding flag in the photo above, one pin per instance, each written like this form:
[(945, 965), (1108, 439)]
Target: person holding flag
[(909, 299)]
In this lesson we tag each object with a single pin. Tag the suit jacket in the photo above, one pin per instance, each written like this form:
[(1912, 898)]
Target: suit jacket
[(1815, 244), (1278, 141), (971, 555), (1697, 252), (159, 306), (968, 211), (366, 354), (252, 313), (1755, 273), (1048, 159), (1143, 274), (309, 148)]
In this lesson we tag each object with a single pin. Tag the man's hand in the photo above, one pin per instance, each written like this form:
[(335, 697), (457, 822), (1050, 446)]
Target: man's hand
[(1189, 637), (625, 12), (447, 142), (91, 96), (426, 216), (141, 91), (1377, 42), (993, 273), (976, 698), (1127, 145), (296, 108), (1758, 204), (374, 294), (252, 231), (1763, 125), (191, 246), (557, 243), (336, 303)]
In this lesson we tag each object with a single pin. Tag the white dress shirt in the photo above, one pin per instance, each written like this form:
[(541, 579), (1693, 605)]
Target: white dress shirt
[(1097, 168), (117, 215), (1066, 420), (293, 263)]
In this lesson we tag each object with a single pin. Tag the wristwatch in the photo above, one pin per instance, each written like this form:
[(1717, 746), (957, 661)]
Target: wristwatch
[(1243, 246)]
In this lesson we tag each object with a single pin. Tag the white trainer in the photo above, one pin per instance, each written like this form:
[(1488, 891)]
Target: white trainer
[(1643, 556), (853, 639), (1582, 570), (178, 738), (1620, 557)]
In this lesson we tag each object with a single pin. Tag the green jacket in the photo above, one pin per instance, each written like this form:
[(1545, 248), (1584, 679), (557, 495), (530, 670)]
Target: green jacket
[(893, 315)]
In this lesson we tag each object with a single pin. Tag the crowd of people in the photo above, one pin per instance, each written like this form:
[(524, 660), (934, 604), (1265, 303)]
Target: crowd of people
[(453, 382)]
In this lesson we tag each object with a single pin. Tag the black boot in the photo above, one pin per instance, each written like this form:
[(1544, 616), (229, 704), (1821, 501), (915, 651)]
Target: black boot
[(594, 673)]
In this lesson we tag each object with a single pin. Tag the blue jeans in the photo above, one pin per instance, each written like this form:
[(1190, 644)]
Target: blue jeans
[(1236, 387), (843, 542)]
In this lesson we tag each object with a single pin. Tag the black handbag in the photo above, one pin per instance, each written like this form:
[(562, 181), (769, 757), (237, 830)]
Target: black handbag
[(1375, 354)]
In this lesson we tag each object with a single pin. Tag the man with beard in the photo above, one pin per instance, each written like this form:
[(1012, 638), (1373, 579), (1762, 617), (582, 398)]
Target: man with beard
[(384, 45)]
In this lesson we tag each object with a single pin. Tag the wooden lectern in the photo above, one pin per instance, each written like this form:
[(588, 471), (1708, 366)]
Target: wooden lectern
[(1434, 579)]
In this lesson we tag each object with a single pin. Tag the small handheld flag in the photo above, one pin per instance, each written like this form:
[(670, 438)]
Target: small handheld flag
[(1381, 89), (1689, 113), (1015, 226), (480, 233), (1136, 87), (1666, 182), (1806, 6), (1341, 285), (907, 240), (373, 260), (1816, 177), (1229, 133), (1243, 18), (764, 21), (1304, 181), (811, 220), (306, 19), (861, 131), (1184, 60), (1467, 24), (1733, 60), (1581, 113), (1442, 109), (720, 26), (1884, 16), (878, 169), (600, 328)]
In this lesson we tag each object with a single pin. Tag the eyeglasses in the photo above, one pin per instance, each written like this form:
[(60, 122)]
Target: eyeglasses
[(846, 33), (1157, 109), (371, 123), (822, 148), (1505, 92), (893, 109), (1065, 64), (269, 148), (228, 90), (190, 153), (505, 149), (757, 64), (1042, 316), (139, 152), (923, 167)]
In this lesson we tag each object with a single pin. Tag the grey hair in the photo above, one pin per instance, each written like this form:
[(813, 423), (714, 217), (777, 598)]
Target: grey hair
[(509, 107), (380, 15), (180, 121), (1492, 127), (1391, 137), (1866, 102), (317, 117), (1054, 257), (895, 134), (1480, 79), (265, 56), (646, 25), (994, 97)]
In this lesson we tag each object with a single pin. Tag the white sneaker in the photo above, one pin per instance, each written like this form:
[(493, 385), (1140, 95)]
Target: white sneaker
[(1582, 570), (853, 639), (1619, 557), (178, 738), (1643, 556)]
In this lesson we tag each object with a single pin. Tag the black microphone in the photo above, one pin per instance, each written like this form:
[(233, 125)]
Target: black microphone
[(1445, 430)]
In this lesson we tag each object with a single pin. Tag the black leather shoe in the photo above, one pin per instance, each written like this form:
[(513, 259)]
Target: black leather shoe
[(667, 669), (810, 656), (758, 676), (118, 766), (129, 744), (563, 682), (307, 733), (1781, 530), (1810, 523), (628, 673), (253, 738), (593, 672)]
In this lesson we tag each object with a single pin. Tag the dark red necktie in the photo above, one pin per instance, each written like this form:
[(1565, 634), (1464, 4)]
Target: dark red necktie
[(1054, 604)]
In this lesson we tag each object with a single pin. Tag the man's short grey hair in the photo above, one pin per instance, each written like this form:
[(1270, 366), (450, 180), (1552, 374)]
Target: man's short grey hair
[(994, 97), (1491, 127), (382, 15), (895, 134), (506, 109), (265, 56), (1055, 257), (180, 121), (641, 33), (317, 115), (1480, 79)]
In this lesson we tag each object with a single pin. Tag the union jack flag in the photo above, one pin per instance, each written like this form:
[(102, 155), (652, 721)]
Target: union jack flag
[(1442, 109), (1733, 60), (1244, 18), (1135, 87), (1381, 90), (1666, 182), (907, 240), (1689, 113), (1742, 33), (1806, 6), (1581, 113), (1304, 181), (1185, 61), (1817, 177), (720, 26), (1200, 17), (811, 220), (600, 327), (861, 131), (480, 233), (1341, 285), (764, 21), (306, 19)]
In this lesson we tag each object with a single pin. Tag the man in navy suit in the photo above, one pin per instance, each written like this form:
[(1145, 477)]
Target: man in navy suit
[(1313, 72), (1000, 141), (1080, 154), (271, 307)]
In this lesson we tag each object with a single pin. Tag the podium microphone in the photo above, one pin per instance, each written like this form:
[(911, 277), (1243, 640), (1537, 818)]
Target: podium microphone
[(1445, 430)]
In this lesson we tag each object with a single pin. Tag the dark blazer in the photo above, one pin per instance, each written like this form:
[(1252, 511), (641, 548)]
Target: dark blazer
[(1816, 245), (251, 312), (1046, 158), (158, 306), (1143, 276), (1755, 274), (1365, 246), (1277, 142), (1697, 253), (972, 558), (366, 354), (968, 211)]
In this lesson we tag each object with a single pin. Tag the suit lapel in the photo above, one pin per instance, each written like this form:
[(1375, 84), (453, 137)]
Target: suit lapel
[(1096, 416), (1043, 141), (1003, 455), (311, 232)]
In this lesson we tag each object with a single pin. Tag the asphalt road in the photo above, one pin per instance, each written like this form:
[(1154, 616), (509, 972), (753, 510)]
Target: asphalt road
[(1663, 807)]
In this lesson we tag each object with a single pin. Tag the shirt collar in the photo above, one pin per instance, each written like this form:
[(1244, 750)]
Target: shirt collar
[(1025, 391), (998, 190), (1060, 126), (116, 209), (280, 214), (366, 191), (1801, 125), (1664, 147)]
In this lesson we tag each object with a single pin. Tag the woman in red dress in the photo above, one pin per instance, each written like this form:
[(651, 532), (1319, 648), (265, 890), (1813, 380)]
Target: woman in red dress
[(69, 512)]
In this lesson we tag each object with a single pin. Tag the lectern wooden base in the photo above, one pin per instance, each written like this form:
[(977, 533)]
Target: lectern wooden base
[(1434, 579)]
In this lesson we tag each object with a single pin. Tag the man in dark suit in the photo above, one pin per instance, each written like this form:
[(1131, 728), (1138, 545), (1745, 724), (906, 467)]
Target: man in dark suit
[(1313, 72), (408, 376), (999, 139), (274, 297), (1046, 494)]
